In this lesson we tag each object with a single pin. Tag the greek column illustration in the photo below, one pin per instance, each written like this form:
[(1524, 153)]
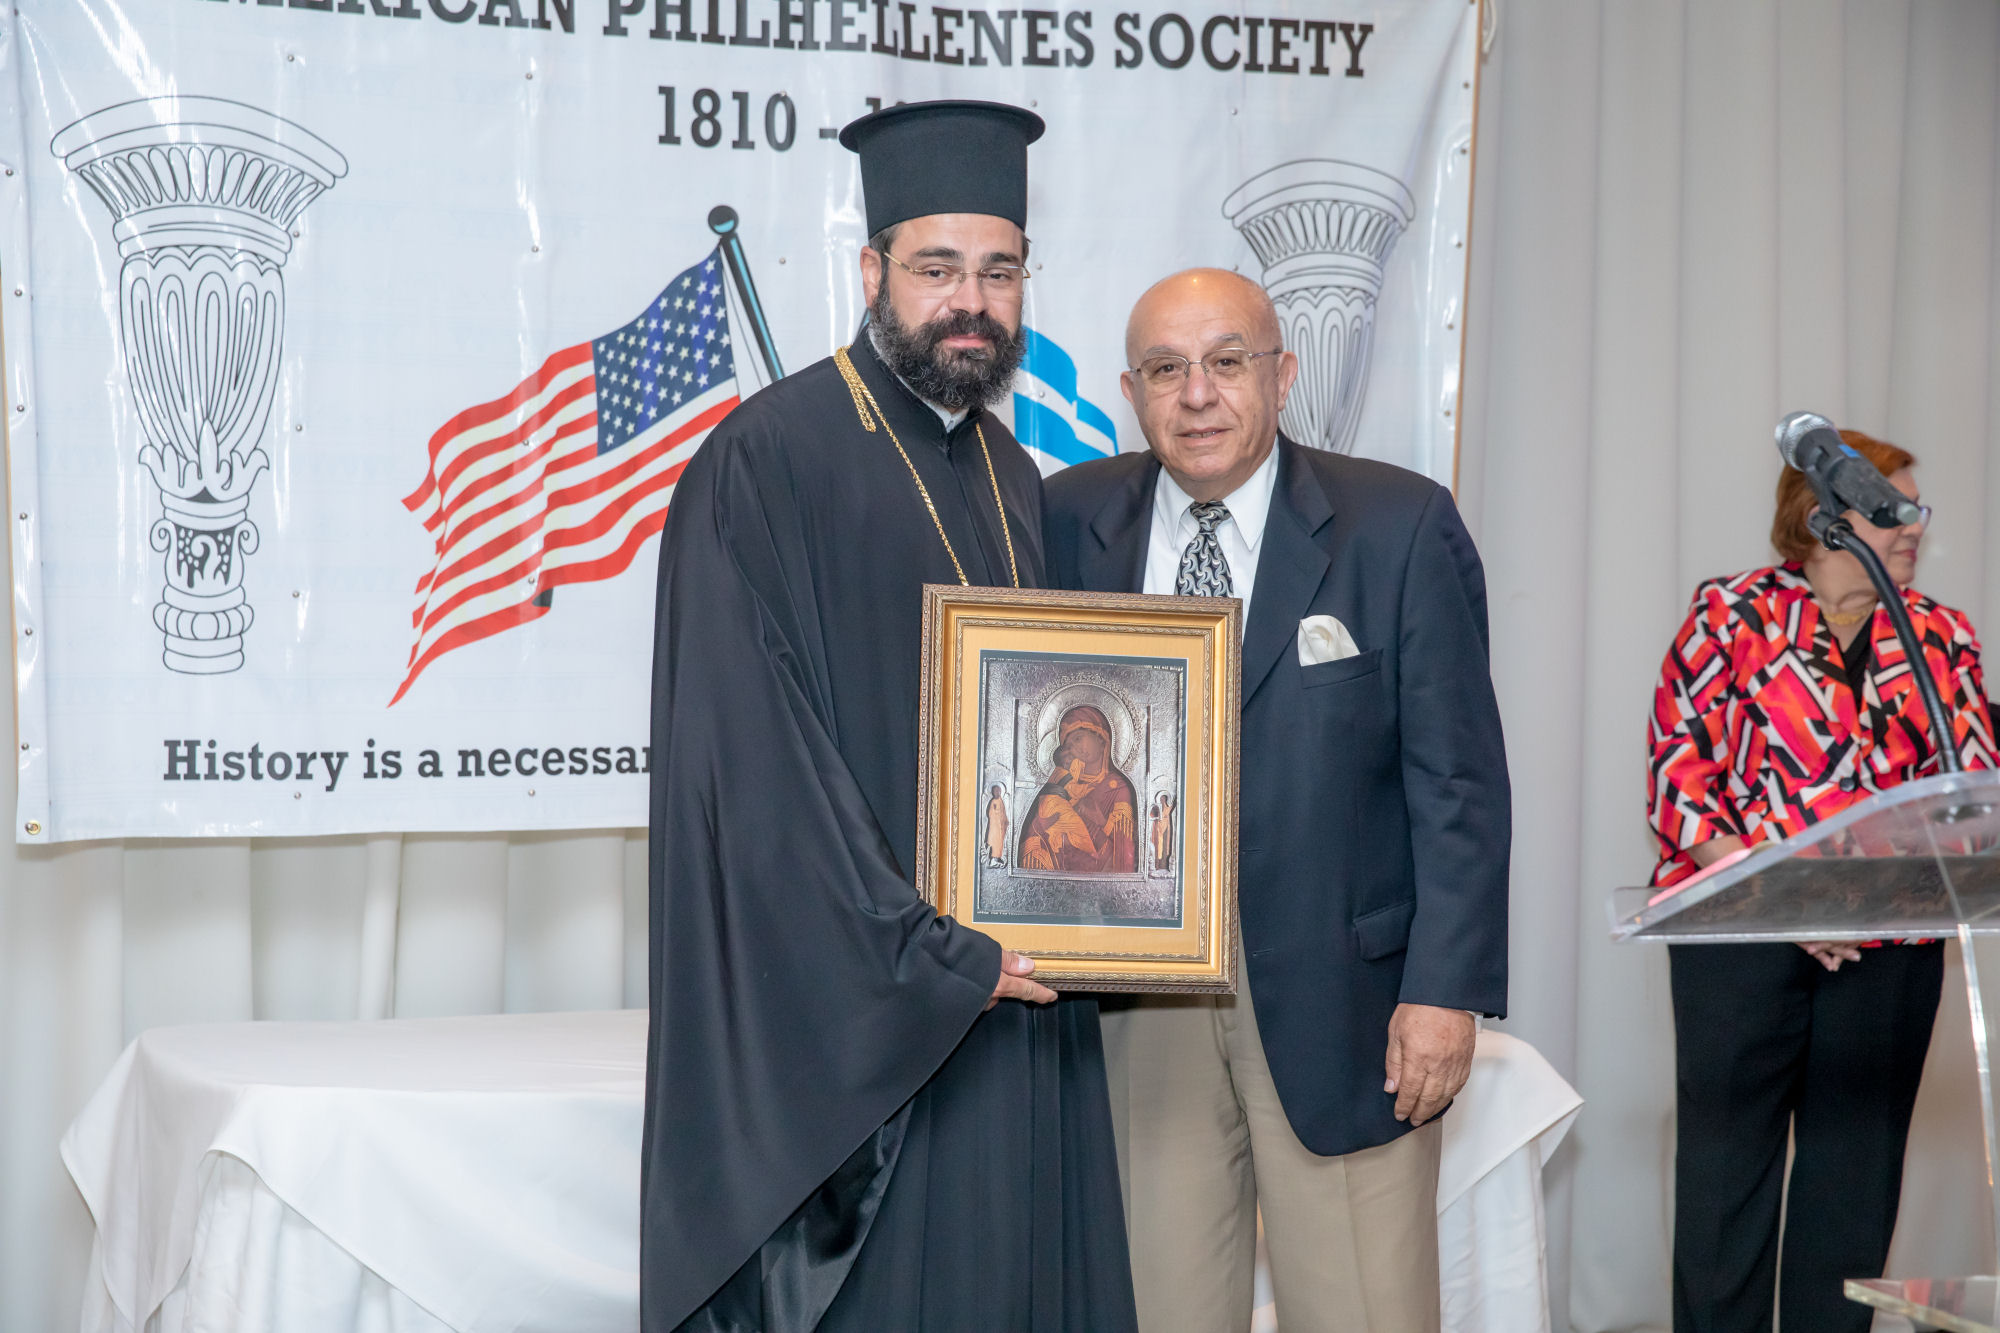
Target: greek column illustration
[(1323, 231), (203, 195)]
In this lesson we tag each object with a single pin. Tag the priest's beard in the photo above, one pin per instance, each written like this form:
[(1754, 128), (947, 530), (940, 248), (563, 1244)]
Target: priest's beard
[(954, 380)]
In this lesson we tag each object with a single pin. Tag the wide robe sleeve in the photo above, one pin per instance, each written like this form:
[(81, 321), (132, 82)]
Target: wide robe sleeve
[(802, 992)]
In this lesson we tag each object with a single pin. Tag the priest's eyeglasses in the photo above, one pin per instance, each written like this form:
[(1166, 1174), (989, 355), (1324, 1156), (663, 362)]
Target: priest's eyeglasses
[(1225, 366), (936, 278)]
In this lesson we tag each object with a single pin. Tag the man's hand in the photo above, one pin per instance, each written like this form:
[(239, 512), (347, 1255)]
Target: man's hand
[(1014, 983), (1430, 1055)]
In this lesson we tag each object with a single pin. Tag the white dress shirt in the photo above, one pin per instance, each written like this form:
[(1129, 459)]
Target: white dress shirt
[(1240, 535)]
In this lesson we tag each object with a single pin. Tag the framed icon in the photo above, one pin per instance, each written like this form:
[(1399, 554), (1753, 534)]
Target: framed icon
[(1078, 793)]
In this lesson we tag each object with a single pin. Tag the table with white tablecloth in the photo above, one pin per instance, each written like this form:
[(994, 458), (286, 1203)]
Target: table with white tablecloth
[(481, 1175)]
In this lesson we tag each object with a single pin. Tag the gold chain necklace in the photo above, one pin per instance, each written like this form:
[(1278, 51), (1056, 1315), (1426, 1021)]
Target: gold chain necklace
[(864, 403)]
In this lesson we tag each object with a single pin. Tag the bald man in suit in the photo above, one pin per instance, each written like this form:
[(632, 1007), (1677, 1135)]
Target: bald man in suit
[(1373, 843)]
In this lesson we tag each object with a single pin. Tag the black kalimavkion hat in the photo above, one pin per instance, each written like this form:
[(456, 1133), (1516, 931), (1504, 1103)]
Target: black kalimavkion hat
[(944, 157)]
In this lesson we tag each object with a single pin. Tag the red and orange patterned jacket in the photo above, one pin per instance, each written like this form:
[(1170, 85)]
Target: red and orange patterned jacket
[(1755, 731)]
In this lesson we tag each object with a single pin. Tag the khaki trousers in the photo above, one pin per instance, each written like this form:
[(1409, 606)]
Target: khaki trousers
[(1203, 1145)]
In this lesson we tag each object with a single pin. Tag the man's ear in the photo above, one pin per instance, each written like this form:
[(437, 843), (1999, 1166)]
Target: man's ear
[(1125, 386), (1288, 374), (871, 275)]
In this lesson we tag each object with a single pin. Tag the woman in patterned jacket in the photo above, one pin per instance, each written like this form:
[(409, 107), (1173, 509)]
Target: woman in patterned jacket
[(1785, 698)]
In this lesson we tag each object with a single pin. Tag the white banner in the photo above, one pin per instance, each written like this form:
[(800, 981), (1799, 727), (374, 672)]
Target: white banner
[(353, 346)]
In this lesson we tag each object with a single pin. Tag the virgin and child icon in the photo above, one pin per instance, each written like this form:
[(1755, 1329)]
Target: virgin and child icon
[(1083, 818), (1067, 745)]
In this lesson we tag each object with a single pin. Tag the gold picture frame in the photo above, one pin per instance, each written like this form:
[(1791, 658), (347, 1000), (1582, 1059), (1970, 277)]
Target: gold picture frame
[(1077, 797)]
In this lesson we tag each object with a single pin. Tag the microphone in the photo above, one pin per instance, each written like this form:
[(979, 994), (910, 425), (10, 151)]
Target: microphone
[(1810, 443)]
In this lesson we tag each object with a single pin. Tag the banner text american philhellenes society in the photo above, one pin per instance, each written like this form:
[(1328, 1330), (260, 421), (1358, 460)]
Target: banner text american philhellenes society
[(198, 760), (932, 34)]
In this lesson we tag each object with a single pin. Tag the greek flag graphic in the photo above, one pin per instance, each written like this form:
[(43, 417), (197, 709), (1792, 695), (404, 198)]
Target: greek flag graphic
[(1057, 425)]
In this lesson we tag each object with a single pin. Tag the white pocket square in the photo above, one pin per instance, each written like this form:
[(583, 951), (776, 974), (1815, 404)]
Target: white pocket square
[(1324, 639)]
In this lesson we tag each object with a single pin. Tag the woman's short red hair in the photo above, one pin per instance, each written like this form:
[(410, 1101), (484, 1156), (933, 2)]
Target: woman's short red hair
[(1789, 534)]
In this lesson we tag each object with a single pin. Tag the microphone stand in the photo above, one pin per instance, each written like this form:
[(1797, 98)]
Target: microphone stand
[(1837, 534)]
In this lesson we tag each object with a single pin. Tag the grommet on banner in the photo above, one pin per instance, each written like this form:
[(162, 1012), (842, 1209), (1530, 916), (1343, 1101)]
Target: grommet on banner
[(531, 791), (298, 796), (17, 291), (34, 828), (28, 632), (298, 425)]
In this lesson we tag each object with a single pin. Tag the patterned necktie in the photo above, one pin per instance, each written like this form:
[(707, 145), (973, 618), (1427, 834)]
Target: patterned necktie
[(1204, 572)]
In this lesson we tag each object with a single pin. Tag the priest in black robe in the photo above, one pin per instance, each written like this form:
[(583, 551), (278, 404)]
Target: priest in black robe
[(858, 1118)]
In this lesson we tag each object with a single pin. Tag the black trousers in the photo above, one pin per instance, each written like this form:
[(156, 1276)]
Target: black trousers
[(1769, 1041)]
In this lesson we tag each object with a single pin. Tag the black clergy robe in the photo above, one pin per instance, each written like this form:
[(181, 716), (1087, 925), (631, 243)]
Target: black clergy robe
[(836, 1135)]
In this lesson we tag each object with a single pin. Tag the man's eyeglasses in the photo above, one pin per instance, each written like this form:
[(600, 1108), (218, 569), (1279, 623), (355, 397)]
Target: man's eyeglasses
[(994, 279), (1167, 372)]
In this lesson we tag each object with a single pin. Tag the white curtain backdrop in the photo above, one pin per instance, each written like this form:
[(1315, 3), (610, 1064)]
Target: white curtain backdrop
[(1690, 217)]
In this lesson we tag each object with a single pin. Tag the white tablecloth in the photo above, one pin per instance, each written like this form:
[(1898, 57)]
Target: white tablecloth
[(1492, 1242), (486, 1168), (481, 1175)]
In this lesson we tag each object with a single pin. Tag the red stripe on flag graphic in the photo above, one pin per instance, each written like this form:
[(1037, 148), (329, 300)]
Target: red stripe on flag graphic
[(564, 479), (467, 423), (503, 541)]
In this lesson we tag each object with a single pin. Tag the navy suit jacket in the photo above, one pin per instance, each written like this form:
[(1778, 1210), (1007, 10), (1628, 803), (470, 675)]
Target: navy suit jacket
[(1375, 807)]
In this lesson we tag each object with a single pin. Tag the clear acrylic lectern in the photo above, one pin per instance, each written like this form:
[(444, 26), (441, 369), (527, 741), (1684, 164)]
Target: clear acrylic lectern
[(1919, 861)]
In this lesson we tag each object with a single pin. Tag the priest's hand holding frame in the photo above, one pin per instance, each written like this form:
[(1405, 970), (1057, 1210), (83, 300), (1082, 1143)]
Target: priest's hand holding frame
[(1014, 983)]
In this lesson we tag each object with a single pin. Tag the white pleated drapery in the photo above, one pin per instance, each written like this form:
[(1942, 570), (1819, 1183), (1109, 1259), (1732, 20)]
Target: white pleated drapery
[(1691, 216)]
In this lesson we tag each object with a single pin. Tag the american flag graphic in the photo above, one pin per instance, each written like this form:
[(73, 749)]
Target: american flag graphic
[(563, 480)]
